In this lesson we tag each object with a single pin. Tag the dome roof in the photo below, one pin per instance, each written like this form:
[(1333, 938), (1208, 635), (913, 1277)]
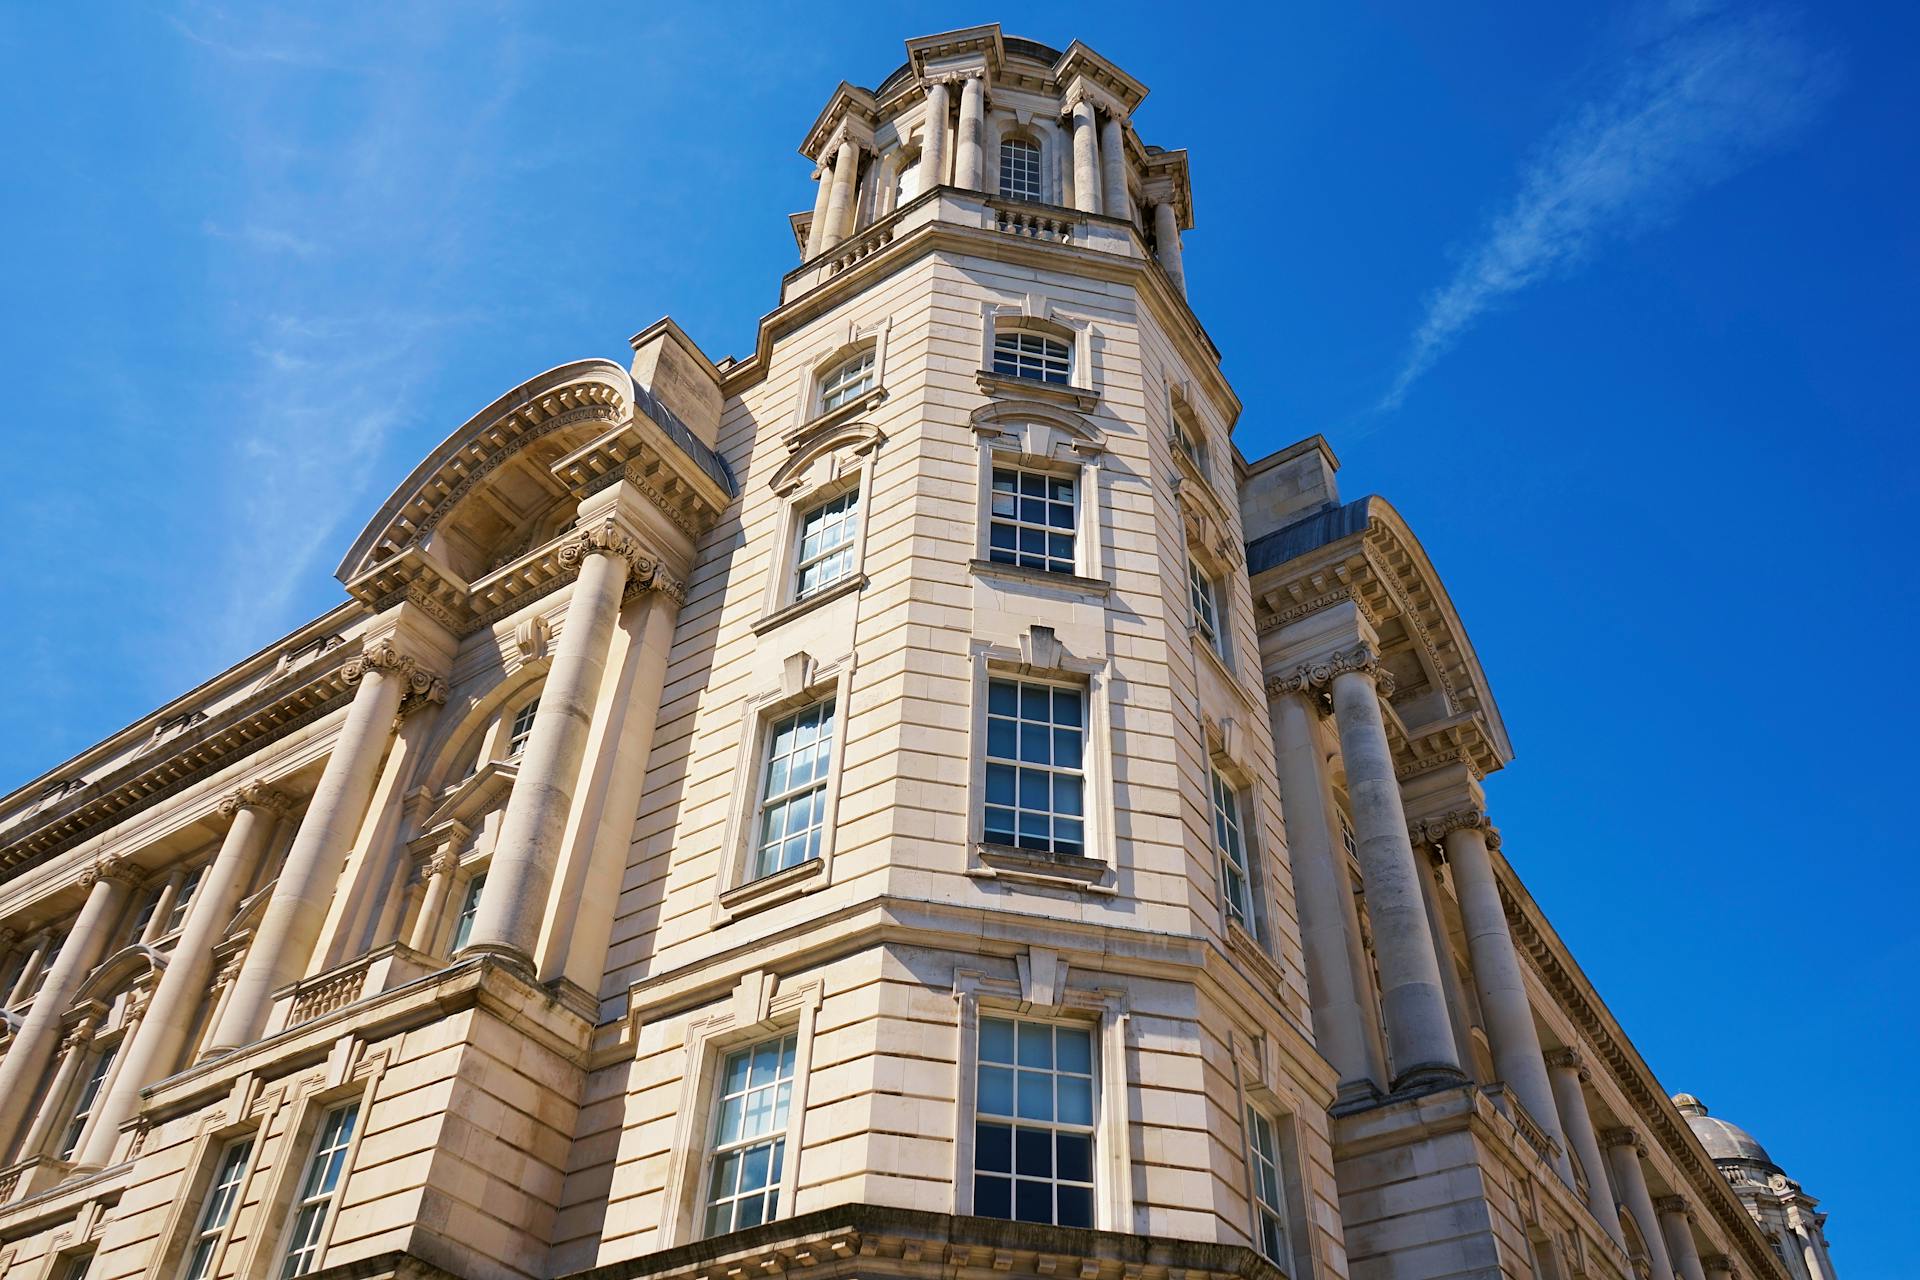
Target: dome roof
[(1722, 1140)]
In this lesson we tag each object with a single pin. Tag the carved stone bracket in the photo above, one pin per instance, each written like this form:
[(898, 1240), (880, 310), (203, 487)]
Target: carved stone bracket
[(256, 795), (424, 689), (1315, 676)]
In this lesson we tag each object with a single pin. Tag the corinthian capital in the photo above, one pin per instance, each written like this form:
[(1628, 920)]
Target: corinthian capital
[(115, 867), (607, 539), (1313, 676), (256, 795), (379, 656)]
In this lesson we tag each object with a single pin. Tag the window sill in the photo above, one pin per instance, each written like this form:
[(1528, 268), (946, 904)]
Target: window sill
[(1192, 470), (768, 890), (1203, 645), (1053, 870), (835, 416), (787, 613), (1243, 946), (1068, 582), (1082, 398)]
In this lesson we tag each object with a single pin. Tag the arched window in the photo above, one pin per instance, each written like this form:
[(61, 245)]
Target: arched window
[(1018, 353), (907, 185), (848, 381), (1019, 170)]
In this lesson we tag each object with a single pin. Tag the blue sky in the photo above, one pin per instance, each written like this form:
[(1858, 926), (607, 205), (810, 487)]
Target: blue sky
[(1615, 304)]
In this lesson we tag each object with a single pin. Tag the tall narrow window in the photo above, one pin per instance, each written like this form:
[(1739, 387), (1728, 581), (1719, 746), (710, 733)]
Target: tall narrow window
[(1033, 1131), (909, 181), (144, 916), (189, 885), (1032, 520), (750, 1136), (469, 908), (318, 1188), (76, 1266), (1267, 1202), (1017, 354), (522, 731), (794, 796), (826, 544), (227, 1176), (848, 382), (1019, 170), (47, 961), (84, 1104), (1188, 441), (1230, 842), (1036, 740), (1206, 605), (1348, 841)]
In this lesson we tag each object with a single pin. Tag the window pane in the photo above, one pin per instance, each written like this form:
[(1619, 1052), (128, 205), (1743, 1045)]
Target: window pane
[(1049, 1151), (1039, 804), (1019, 170)]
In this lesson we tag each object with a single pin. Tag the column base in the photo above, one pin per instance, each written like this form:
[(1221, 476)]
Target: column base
[(1427, 1077), (1355, 1095), (503, 954)]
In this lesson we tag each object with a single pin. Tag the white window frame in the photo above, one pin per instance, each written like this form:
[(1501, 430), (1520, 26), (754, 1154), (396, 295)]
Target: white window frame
[(1241, 908), (1047, 990), (1255, 1068), (182, 899), (328, 1201), (1035, 314), (839, 345), (753, 1014), (852, 380), (1018, 523), (802, 682), (468, 908), (1264, 1205), (1043, 439), (1203, 603), (1019, 348), (86, 1098), (516, 737), (850, 522), (821, 719), (1042, 659), (1017, 762), (206, 1231), (1023, 1028), (774, 1137), (1039, 175), (824, 464)]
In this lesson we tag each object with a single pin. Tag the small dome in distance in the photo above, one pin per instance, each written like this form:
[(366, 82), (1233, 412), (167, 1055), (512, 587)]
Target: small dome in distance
[(1722, 1140)]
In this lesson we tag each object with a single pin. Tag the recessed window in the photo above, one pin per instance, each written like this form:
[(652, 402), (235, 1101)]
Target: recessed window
[(144, 916), (909, 184), (469, 908), (1019, 354), (794, 795), (848, 382), (825, 553), (522, 731), (1019, 170), (76, 1266), (83, 1105), (1032, 520), (750, 1136), (1033, 1127), (1348, 841), (318, 1188), (218, 1208), (1035, 779), (1229, 841), (1206, 605), (183, 898), (1188, 441), (1271, 1220), (47, 961)]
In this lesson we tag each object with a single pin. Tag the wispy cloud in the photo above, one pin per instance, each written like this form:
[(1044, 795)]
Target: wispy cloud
[(1709, 92)]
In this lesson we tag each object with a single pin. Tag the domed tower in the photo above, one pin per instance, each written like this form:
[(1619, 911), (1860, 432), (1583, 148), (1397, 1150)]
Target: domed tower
[(1788, 1217)]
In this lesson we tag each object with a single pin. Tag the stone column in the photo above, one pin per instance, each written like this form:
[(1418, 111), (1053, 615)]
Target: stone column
[(1497, 976), (1113, 162), (846, 167), (1166, 244), (823, 191), (1426, 864), (514, 903), (1320, 882), (30, 970), (1623, 1153), (73, 1055), (107, 883), (1419, 1029), (433, 903), (162, 907), (970, 149), (1086, 158), (933, 152), (1566, 1073), (154, 1052), (284, 940), (1677, 1226), (1806, 1234)]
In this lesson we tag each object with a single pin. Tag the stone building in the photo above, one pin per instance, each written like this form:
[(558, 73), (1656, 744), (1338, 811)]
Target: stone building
[(1787, 1216), (911, 801)]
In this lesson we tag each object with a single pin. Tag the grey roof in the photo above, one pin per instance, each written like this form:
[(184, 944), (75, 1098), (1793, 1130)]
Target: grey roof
[(1327, 525), (1723, 1141), (707, 460)]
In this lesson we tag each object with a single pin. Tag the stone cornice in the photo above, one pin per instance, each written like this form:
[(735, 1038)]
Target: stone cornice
[(229, 736), (1570, 989)]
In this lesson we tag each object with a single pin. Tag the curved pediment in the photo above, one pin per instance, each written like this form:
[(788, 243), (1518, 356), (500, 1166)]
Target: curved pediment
[(1365, 552), (118, 972), (487, 493)]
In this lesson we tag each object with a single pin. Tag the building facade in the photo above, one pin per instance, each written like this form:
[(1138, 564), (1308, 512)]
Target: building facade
[(911, 801)]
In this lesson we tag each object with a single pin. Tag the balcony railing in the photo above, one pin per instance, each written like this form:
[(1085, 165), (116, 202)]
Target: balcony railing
[(369, 975)]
